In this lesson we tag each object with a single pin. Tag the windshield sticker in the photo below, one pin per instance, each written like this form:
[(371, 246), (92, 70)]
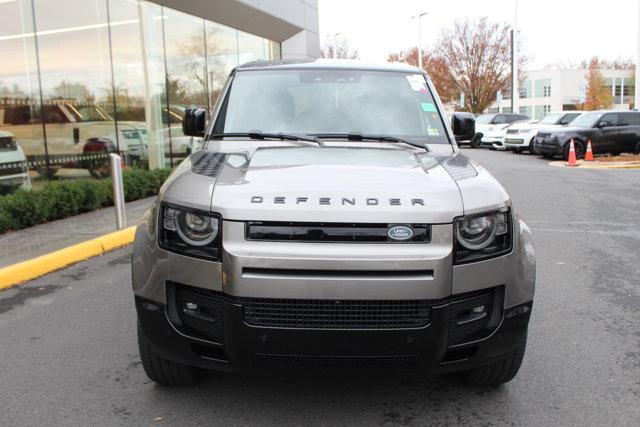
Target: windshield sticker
[(428, 107), (417, 82), (433, 132)]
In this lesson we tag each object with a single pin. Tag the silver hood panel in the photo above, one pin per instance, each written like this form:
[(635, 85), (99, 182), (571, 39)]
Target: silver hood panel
[(336, 184)]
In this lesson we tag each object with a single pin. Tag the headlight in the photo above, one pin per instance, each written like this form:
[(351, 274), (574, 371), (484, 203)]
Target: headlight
[(482, 236), (524, 131), (190, 232)]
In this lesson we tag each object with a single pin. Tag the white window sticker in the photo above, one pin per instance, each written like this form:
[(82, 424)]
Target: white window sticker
[(417, 82)]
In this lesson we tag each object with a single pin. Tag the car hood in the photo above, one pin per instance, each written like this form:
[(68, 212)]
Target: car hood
[(336, 184)]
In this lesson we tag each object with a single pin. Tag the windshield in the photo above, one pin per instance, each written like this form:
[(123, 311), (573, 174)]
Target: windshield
[(551, 119), (586, 120), (484, 118), (332, 102)]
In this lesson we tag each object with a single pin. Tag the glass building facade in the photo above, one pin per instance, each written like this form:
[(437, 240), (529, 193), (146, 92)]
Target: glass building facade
[(81, 79)]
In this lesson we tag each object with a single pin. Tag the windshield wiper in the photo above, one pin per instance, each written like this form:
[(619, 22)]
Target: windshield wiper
[(262, 136), (355, 136)]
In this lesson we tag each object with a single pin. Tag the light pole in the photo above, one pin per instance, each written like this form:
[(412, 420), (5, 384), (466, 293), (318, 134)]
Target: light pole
[(514, 61), (637, 94), (419, 17), (334, 36)]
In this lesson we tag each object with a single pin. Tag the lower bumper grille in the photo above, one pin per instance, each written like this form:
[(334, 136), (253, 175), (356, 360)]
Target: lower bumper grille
[(335, 362), (199, 312), (336, 314), (467, 331)]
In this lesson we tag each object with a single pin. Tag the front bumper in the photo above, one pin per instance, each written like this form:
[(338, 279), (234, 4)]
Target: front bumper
[(242, 347), (263, 270), (547, 147), (515, 143), (492, 142)]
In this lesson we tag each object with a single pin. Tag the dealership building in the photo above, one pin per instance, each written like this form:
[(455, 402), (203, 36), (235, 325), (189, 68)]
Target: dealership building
[(544, 91), (79, 79)]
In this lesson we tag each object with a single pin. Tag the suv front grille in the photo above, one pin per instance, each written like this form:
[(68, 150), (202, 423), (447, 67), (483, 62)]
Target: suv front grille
[(336, 314), (199, 313), (331, 232), (334, 362)]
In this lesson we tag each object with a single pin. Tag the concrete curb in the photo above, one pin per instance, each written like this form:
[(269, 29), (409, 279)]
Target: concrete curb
[(21, 272)]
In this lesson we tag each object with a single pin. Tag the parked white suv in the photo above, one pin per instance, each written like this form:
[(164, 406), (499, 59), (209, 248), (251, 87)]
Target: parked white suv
[(14, 173), (519, 136)]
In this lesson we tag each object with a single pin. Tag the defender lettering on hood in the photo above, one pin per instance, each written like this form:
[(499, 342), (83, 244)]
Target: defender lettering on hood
[(369, 201)]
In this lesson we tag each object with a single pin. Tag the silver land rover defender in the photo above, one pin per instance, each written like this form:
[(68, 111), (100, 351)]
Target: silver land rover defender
[(331, 222)]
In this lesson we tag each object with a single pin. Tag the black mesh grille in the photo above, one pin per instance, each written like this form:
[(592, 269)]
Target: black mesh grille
[(332, 232), (335, 362), (336, 314), (207, 163), (206, 319), (467, 331)]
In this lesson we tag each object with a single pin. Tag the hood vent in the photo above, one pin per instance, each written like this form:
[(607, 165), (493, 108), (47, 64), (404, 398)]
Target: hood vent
[(459, 167), (207, 163)]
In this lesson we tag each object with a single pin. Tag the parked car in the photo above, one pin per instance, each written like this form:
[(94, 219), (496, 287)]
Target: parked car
[(609, 132), (520, 135), (490, 123), (316, 234), (495, 139), (14, 172)]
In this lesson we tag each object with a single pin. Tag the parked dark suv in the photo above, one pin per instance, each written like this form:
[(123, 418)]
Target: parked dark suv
[(609, 132)]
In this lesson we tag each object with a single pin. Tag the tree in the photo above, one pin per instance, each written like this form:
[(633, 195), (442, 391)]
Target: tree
[(68, 90), (338, 47), (473, 58), (434, 66), (598, 96)]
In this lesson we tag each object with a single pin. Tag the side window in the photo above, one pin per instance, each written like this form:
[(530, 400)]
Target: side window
[(630, 119), (611, 119), (499, 119), (568, 118)]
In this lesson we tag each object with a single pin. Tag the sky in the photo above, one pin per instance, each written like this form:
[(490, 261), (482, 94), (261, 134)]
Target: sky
[(552, 30)]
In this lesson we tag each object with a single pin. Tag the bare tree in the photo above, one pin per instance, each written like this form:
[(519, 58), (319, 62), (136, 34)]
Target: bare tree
[(338, 47), (477, 59)]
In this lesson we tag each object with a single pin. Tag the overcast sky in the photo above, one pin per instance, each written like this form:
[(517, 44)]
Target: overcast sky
[(553, 30)]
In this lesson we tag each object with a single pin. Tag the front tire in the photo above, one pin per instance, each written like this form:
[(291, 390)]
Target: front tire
[(579, 147), (497, 373), (164, 371), (532, 149)]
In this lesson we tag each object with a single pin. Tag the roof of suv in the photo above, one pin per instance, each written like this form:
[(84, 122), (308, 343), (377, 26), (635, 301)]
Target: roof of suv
[(325, 63)]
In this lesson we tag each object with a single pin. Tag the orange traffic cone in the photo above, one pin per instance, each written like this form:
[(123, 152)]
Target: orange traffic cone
[(572, 155), (588, 156)]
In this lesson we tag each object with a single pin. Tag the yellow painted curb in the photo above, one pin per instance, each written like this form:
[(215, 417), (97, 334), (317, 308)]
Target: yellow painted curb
[(21, 272)]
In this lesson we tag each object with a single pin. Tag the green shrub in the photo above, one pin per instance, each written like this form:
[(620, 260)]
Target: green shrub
[(60, 199)]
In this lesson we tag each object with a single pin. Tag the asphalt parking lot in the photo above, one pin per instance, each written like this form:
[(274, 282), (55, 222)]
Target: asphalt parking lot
[(69, 353)]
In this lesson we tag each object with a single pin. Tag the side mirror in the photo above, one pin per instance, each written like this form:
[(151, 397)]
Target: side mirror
[(194, 121), (563, 123), (463, 126), (601, 125)]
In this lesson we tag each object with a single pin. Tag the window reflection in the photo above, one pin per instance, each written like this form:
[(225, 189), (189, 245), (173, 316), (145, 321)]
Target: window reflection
[(113, 76), (20, 126)]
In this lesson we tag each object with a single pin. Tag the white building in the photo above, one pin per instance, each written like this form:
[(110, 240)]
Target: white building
[(544, 91)]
